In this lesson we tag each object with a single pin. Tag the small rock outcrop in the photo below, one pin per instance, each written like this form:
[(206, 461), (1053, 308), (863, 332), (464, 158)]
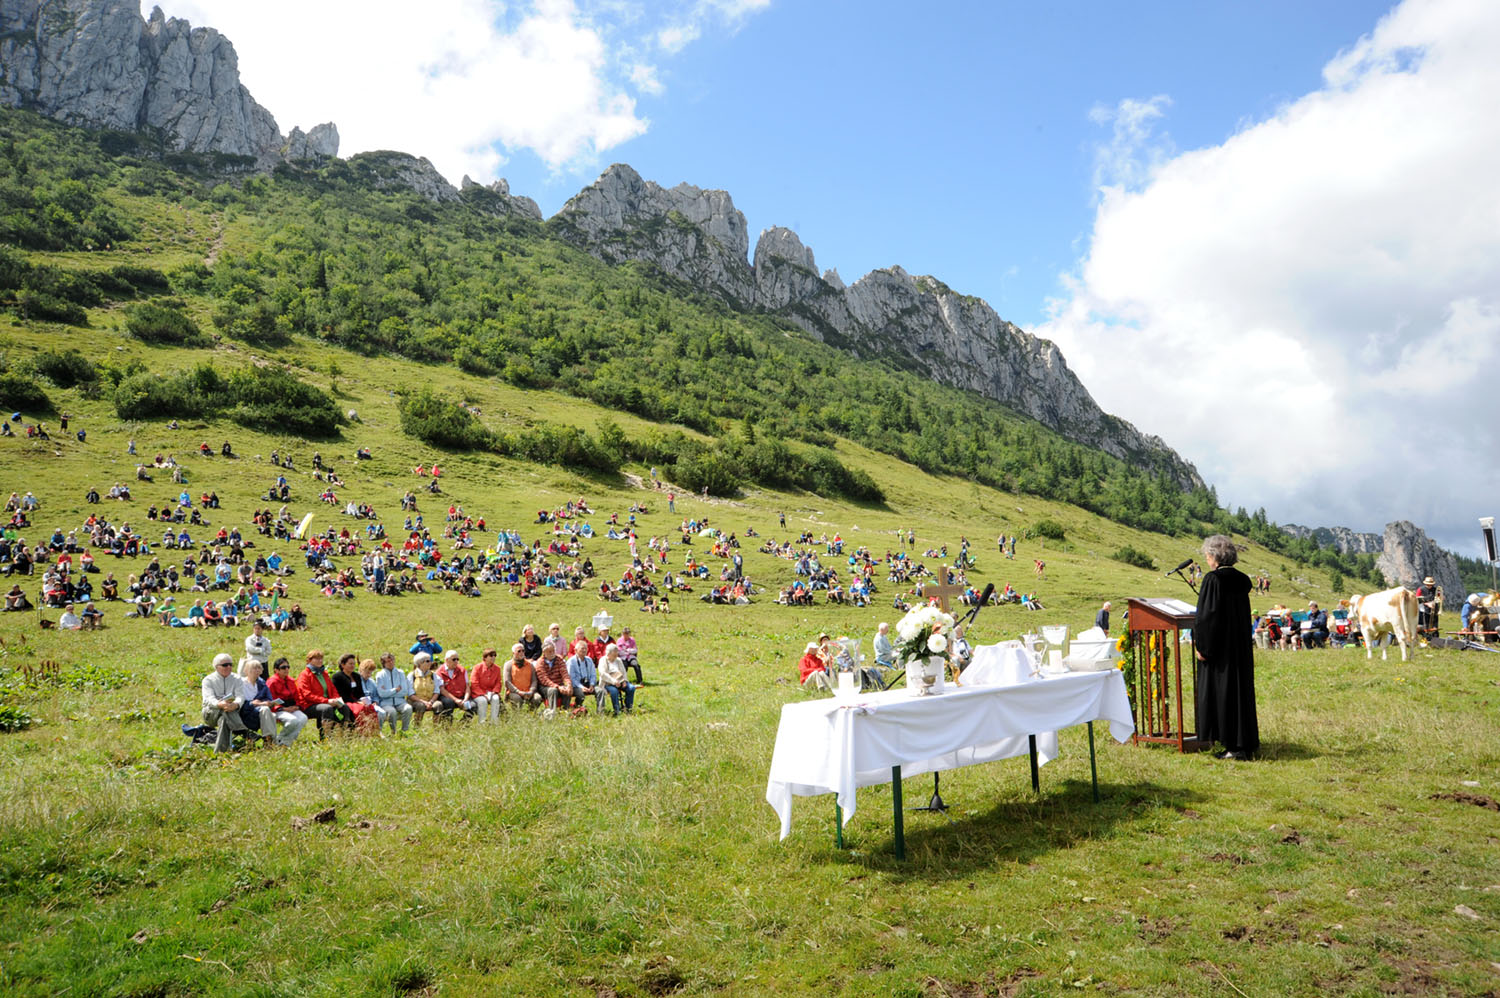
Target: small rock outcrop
[(387, 170), (1409, 555), (694, 235), (496, 199), (1341, 539), (322, 143), (99, 64)]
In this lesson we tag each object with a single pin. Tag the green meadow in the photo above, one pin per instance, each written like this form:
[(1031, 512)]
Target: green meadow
[(638, 856)]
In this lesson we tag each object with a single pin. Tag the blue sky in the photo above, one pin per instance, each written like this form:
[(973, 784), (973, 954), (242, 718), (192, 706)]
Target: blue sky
[(956, 140), (1267, 232)]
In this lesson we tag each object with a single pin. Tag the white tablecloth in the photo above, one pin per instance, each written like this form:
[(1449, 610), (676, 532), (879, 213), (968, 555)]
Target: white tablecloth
[(1004, 664), (836, 746)]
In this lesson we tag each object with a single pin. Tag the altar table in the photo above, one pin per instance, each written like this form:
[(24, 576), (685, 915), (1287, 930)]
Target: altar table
[(838, 745)]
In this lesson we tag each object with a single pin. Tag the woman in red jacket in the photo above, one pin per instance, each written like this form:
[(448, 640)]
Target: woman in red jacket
[(814, 668)]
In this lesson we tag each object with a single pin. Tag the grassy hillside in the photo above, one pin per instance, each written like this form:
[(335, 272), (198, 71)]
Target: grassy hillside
[(638, 857)]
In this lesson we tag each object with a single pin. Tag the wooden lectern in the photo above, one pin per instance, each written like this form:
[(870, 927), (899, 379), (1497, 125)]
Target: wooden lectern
[(1155, 638)]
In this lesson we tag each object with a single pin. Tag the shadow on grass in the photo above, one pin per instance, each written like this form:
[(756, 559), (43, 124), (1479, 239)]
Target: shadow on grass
[(1011, 831), (1279, 751)]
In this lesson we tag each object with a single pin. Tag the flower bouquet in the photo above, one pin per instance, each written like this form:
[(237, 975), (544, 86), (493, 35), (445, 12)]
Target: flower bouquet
[(923, 648)]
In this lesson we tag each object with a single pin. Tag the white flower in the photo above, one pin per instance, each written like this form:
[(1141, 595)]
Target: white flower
[(937, 644)]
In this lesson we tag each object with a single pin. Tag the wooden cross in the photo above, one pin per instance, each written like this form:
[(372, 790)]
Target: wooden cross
[(941, 590)]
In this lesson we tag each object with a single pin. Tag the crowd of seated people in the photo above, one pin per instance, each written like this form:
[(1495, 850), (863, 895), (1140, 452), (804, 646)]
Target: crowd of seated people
[(546, 675)]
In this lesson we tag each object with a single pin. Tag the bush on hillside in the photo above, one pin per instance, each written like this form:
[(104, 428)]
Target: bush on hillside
[(164, 321), (441, 422), (1050, 529), (1131, 556), (19, 393), (191, 394), (554, 443), (144, 280), (67, 369), (709, 470), (48, 308), (266, 398), (272, 398)]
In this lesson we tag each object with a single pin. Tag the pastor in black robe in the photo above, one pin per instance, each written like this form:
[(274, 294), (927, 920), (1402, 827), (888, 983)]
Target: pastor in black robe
[(1226, 666)]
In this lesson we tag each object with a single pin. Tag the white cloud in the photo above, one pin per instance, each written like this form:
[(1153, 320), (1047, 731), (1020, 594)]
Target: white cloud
[(1134, 150), (690, 22), (675, 37), (462, 82), (1311, 310), (645, 80)]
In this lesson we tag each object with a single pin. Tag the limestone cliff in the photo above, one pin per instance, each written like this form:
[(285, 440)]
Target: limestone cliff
[(699, 237), (1409, 554), (1342, 539), (98, 63), (496, 199), (695, 235)]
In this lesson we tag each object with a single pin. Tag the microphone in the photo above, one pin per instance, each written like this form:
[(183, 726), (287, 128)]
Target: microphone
[(1179, 568), (981, 603)]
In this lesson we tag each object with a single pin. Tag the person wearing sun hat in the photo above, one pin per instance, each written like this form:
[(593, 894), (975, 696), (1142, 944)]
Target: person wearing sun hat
[(425, 643), (1429, 604)]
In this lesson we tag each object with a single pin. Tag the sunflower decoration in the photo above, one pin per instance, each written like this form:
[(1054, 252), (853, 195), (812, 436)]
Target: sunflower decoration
[(1126, 664)]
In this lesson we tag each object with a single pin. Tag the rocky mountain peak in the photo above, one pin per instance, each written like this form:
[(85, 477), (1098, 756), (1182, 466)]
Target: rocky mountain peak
[(1342, 539), (786, 244), (496, 199), (698, 236), (386, 170), (99, 64), (1409, 555), (692, 234)]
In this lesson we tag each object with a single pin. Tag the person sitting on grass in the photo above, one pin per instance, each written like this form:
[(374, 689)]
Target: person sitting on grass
[(284, 702), (519, 676), (583, 676), (814, 670), (70, 621), (456, 683), (16, 599), (318, 698), (487, 687), (393, 691), (223, 693), (351, 689), (426, 690), (257, 711), (612, 676), (93, 617), (553, 681)]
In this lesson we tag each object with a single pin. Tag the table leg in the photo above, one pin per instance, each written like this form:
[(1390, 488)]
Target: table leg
[(1036, 784), (896, 804), (1093, 768), (838, 824)]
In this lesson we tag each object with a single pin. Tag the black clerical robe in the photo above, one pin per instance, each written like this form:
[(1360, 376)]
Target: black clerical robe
[(1226, 675)]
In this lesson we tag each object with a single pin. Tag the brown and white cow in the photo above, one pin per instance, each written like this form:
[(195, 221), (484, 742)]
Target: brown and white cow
[(1392, 612)]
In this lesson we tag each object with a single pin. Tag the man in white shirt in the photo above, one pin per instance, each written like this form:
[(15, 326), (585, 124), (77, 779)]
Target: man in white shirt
[(257, 645), (223, 694), (70, 621)]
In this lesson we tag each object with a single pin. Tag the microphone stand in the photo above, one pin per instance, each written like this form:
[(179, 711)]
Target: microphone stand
[(935, 802), (1178, 572)]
